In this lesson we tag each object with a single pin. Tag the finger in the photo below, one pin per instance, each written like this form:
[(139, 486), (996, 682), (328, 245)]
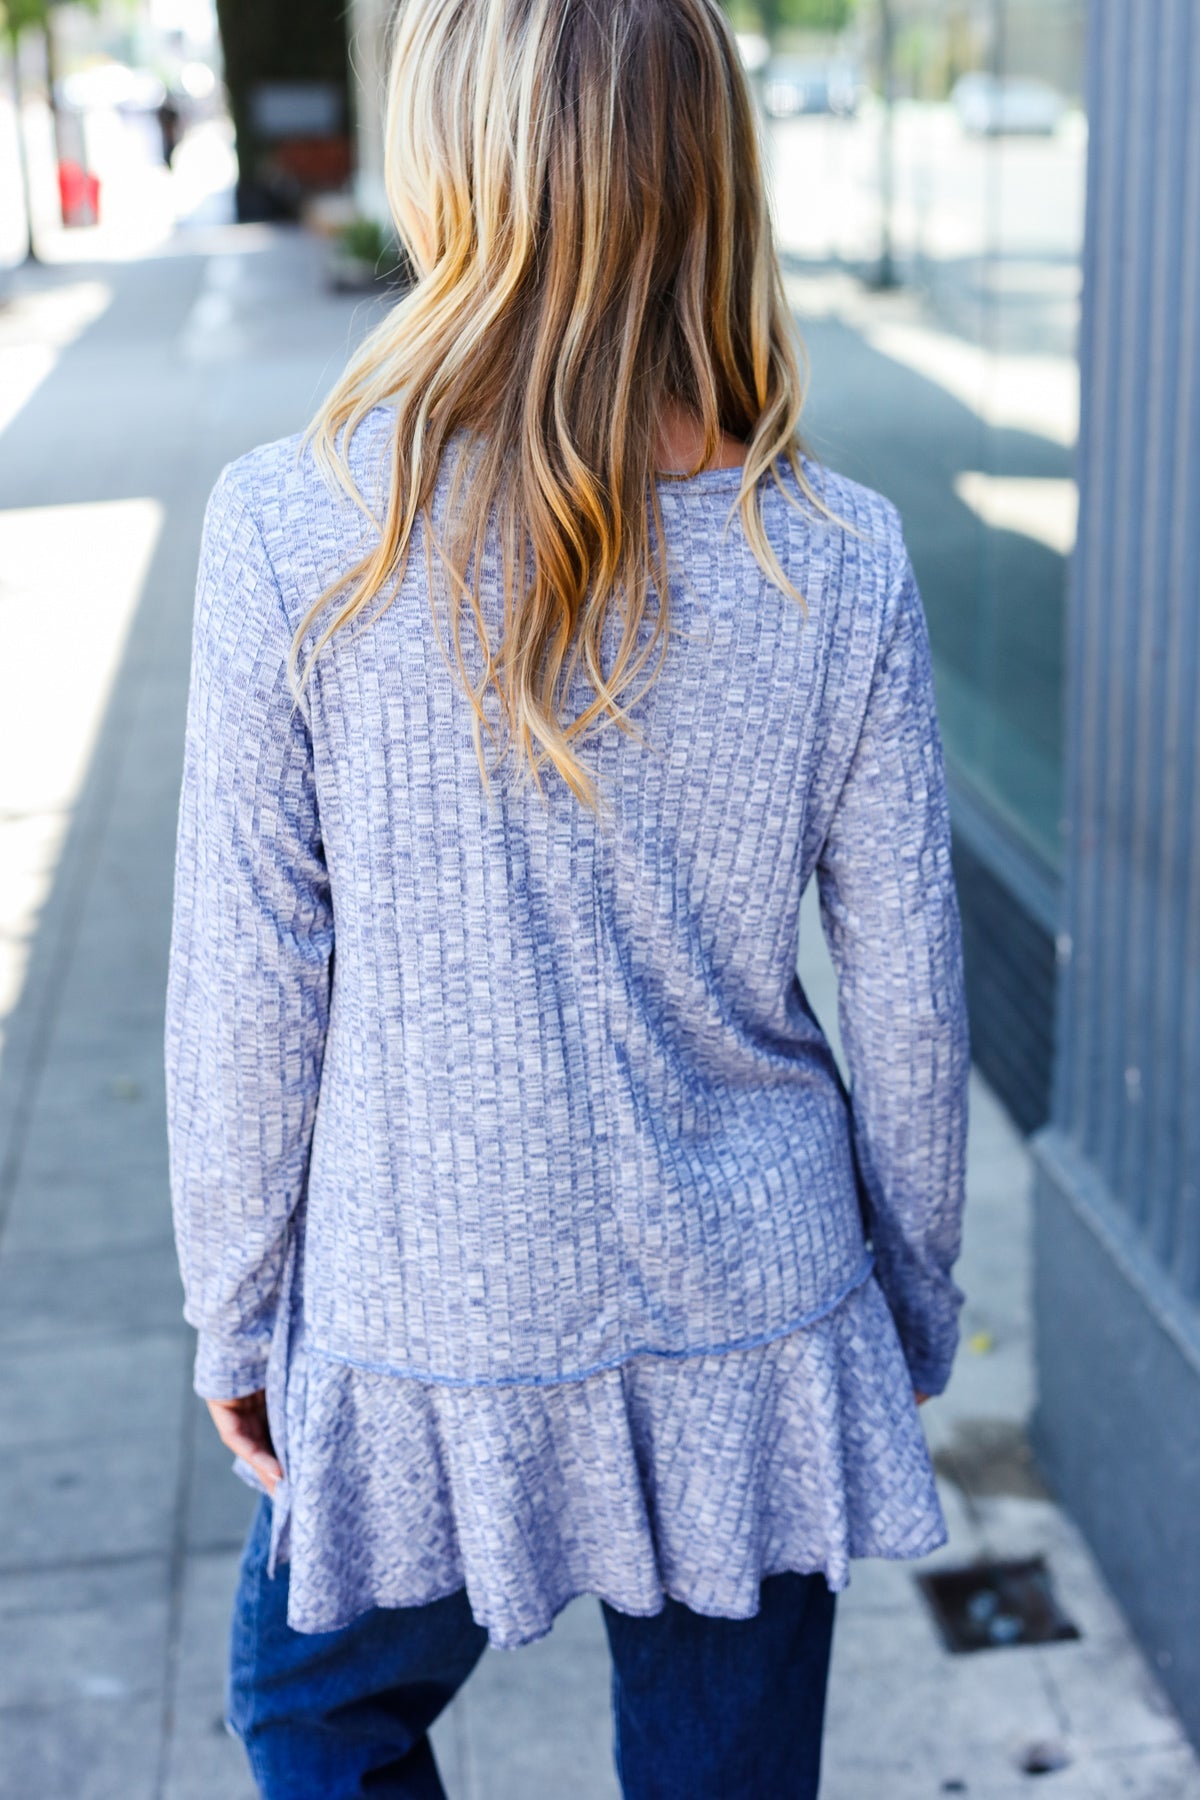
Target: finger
[(245, 1433), (268, 1472), (919, 1397), (261, 1459)]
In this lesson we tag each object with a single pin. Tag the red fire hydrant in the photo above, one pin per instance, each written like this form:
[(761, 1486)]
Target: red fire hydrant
[(78, 194)]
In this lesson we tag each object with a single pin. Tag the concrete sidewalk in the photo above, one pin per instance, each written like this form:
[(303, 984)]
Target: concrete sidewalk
[(120, 1522)]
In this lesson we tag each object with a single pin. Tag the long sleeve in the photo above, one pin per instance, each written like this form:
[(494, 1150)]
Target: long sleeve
[(251, 958), (891, 919)]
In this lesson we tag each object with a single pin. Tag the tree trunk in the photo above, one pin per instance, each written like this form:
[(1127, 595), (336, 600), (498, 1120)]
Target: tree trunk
[(886, 274), (14, 39)]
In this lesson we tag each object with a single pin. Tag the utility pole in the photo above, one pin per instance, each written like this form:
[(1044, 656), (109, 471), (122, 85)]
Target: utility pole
[(368, 33), (51, 50), (14, 41), (886, 273)]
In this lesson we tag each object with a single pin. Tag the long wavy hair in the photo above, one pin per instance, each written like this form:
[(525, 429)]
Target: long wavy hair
[(578, 185)]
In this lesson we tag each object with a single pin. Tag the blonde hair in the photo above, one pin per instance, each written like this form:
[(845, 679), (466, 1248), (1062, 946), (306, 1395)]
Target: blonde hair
[(579, 186)]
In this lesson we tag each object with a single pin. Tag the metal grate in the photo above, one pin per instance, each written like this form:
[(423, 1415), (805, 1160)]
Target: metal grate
[(993, 1605)]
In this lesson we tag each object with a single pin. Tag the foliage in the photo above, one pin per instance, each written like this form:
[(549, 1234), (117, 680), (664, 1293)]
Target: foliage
[(17, 16), (366, 240), (816, 15), (805, 15)]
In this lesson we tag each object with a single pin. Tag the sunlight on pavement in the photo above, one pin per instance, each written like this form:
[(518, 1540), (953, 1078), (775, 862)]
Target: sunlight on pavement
[(70, 581), (1005, 389), (1012, 392), (34, 331), (211, 331), (1042, 507)]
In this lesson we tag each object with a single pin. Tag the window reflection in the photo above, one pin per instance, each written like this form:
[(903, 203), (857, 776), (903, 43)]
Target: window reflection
[(955, 390)]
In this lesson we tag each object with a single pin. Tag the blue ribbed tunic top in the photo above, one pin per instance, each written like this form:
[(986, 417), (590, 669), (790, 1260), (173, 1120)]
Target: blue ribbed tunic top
[(506, 1150)]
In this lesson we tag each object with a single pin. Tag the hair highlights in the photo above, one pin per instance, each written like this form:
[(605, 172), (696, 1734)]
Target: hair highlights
[(578, 184)]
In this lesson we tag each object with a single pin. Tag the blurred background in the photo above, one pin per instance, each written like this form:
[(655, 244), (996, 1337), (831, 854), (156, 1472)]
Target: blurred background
[(987, 210)]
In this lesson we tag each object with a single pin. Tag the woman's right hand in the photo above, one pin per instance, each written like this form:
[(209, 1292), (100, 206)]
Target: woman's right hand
[(242, 1428)]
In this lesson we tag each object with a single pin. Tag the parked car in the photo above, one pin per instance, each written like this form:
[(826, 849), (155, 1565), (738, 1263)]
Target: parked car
[(998, 105), (791, 87)]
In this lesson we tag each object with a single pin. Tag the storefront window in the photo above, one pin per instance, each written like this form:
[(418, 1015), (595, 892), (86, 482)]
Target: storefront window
[(933, 250)]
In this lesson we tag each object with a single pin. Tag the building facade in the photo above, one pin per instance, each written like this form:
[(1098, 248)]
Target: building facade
[(1117, 1248), (289, 88)]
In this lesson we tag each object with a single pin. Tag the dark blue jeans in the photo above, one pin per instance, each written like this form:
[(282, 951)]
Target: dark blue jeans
[(703, 1709)]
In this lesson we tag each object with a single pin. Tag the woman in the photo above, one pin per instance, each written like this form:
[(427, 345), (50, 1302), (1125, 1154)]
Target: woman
[(534, 1244)]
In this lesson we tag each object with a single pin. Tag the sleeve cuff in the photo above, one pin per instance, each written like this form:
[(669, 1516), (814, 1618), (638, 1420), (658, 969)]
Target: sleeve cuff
[(228, 1371), (930, 1377)]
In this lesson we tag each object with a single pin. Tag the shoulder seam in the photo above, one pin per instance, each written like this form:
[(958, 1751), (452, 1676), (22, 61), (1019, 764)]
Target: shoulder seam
[(248, 504)]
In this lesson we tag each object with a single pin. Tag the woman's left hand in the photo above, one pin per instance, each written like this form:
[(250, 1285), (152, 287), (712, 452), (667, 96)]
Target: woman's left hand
[(242, 1428)]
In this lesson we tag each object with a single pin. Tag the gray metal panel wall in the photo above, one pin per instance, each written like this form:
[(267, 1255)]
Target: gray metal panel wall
[(1121, 1159), (1009, 959), (1130, 1022)]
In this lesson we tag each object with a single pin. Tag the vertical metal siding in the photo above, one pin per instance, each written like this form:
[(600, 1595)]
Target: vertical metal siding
[(1010, 986), (1128, 1080)]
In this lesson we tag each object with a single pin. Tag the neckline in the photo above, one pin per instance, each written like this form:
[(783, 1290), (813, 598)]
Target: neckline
[(668, 479), (678, 478)]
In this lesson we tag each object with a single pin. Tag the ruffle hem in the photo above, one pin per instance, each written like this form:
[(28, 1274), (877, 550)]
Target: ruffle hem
[(693, 1478)]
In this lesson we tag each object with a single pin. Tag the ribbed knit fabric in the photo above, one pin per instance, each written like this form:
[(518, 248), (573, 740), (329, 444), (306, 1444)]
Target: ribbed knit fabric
[(541, 1210)]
